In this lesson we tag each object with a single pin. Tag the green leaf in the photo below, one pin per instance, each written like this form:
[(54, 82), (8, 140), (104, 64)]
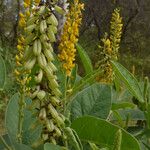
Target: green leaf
[(2, 73), (94, 100), (11, 122), (85, 59), (83, 82), (22, 147), (129, 80), (101, 132), (49, 146), (122, 105)]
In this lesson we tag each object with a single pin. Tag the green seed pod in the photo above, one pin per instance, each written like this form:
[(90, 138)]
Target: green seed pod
[(43, 26), (42, 60), (52, 20), (37, 47), (34, 94), (48, 46), (59, 121), (51, 36), (30, 28), (42, 114), (52, 66), (57, 132), (117, 140), (52, 140), (28, 53), (53, 84), (29, 38), (30, 64), (59, 9), (44, 38), (49, 73), (31, 20), (57, 92), (39, 77), (45, 137), (41, 94), (49, 125), (41, 10), (52, 28), (55, 101), (68, 131), (48, 55)]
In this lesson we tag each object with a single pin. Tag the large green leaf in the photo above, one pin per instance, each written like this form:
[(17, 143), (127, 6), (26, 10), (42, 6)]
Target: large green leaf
[(129, 80), (22, 147), (94, 100), (102, 132), (11, 121), (49, 146), (85, 59), (2, 73)]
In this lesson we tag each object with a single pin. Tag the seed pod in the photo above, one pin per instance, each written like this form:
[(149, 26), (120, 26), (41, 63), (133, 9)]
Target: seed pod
[(57, 92), (37, 47), (57, 132), (34, 94), (28, 52), (51, 36), (53, 84), (30, 63), (52, 28), (52, 20), (49, 73), (31, 20), (29, 38), (117, 140), (42, 114), (42, 60), (54, 101), (59, 9), (52, 66), (30, 28), (39, 77), (41, 10), (72, 138), (59, 121), (48, 55), (41, 94), (48, 46), (44, 38), (53, 140), (43, 26), (45, 137), (49, 125)]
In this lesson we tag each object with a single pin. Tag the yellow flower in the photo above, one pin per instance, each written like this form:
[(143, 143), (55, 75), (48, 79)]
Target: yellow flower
[(27, 3), (70, 36), (116, 31)]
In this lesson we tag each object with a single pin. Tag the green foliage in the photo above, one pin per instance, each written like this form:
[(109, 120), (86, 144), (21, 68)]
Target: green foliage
[(94, 100), (2, 73), (12, 120), (49, 146), (129, 80), (85, 59), (102, 133)]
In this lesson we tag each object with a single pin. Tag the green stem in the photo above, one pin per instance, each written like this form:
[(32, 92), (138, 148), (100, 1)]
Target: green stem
[(5, 144), (21, 116), (65, 94)]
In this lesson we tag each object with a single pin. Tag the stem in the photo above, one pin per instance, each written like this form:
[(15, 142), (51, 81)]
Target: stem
[(21, 116), (65, 94), (5, 144)]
